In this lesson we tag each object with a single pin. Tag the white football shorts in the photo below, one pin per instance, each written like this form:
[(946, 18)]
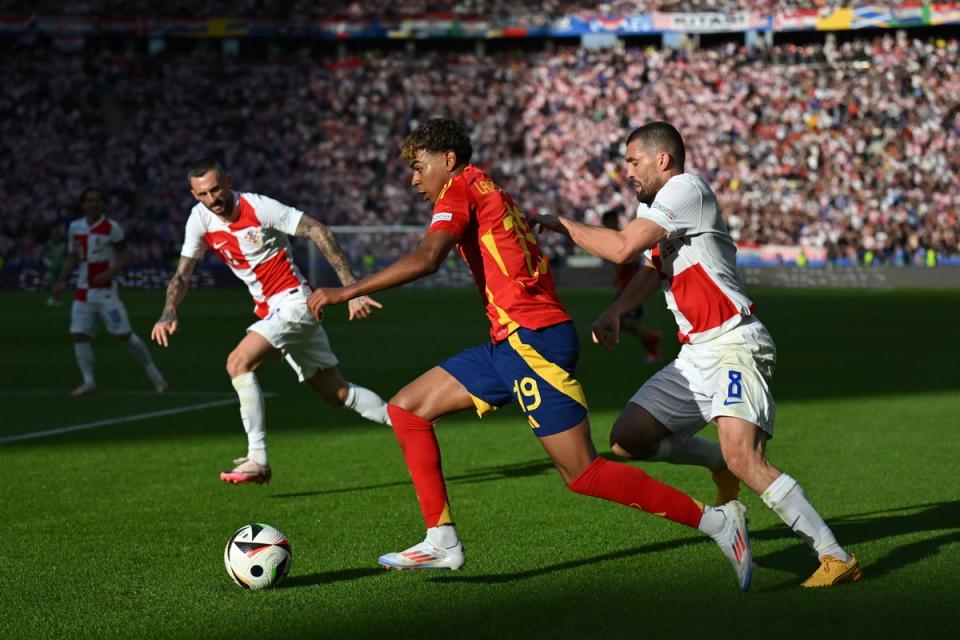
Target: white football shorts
[(107, 307), (726, 376), (291, 328)]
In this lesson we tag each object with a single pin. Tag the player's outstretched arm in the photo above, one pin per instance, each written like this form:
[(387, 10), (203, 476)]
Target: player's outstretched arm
[(323, 237), (616, 246), (69, 262), (424, 260), (167, 325), (606, 330)]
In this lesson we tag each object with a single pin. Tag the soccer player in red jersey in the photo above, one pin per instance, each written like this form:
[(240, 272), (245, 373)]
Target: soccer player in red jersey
[(532, 357)]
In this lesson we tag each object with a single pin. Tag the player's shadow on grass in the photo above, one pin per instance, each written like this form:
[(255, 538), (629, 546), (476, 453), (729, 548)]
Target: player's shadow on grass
[(574, 564), (328, 577), (940, 519), (943, 518), (483, 474)]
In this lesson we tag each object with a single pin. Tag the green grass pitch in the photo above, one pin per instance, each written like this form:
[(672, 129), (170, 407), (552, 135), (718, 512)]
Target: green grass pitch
[(118, 531)]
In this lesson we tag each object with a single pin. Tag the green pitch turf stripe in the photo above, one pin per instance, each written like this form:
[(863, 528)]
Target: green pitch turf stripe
[(103, 423)]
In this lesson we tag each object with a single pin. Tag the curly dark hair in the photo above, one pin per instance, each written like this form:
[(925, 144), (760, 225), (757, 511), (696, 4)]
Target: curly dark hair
[(85, 193), (438, 135)]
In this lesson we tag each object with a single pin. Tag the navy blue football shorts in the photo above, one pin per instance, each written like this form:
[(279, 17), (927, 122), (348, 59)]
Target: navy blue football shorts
[(534, 366)]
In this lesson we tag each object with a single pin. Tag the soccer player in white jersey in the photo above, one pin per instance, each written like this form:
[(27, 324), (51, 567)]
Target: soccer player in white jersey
[(723, 370), (96, 244), (249, 232)]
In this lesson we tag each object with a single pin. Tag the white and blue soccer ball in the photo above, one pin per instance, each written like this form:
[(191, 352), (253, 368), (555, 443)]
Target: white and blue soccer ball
[(257, 556)]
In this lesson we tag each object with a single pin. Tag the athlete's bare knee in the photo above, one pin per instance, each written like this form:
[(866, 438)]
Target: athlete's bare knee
[(619, 451), (406, 401), (238, 363), (79, 337), (628, 441), (335, 396)]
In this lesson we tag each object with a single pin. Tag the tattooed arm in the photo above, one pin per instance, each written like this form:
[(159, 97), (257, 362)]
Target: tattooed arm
[(323, 237), (167, 325)]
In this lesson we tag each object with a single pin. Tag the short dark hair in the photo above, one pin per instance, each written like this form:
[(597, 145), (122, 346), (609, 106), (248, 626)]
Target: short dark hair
[(661, 136), (198, 168), (438, 135), (85, 193)]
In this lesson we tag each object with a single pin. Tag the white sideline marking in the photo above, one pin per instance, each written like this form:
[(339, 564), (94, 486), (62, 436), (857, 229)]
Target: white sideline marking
[(103, 423)]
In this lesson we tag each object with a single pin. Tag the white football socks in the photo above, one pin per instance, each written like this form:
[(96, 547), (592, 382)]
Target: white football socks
[(139, 350), (444, 536), (696, 451), (787, 499), (253, 415), (84, 353), (367, 403), (712, 521)]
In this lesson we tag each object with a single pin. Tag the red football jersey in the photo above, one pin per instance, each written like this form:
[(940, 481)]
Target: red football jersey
[(501, 251)]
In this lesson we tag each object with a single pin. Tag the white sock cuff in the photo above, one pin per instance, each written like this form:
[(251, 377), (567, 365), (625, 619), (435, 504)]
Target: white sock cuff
[(257, 454), (351, 400), (444, 536), (244, 380), (778, 490)]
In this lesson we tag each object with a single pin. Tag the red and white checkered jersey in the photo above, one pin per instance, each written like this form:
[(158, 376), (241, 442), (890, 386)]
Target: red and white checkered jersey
[(254, 245), (697, 260), (98, 245)]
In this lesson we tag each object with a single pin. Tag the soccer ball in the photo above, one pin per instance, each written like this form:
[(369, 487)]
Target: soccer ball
[(257, 556)]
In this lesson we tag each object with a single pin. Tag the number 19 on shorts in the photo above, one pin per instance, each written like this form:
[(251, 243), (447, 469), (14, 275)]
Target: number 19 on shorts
[(528, 395)]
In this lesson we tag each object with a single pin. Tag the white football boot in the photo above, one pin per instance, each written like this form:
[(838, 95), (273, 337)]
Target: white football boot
[(426, 555), (734, 541), (247, 470), (85, 389)]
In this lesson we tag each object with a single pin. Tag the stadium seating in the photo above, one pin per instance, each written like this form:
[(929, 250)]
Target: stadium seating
[(363, 9), (851, 149)]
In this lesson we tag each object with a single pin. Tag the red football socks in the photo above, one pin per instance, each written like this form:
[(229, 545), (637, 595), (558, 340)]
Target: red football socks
[(422, 454), (632, 487)]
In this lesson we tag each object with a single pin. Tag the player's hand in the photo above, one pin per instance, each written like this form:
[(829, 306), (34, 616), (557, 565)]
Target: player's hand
[(102, 278), (549, 221), (606, 330), (321, 298), (362, 307), (165, 327), (56, 293)]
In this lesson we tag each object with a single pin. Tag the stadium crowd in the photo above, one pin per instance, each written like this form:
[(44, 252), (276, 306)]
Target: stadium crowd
[(853, 149), (506, 10)]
